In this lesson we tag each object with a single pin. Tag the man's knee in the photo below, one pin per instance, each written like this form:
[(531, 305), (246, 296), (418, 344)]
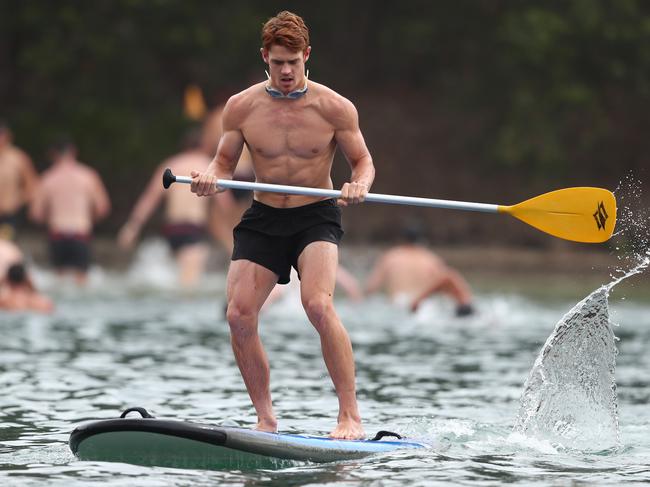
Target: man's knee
[(318, 308), (241, 318)]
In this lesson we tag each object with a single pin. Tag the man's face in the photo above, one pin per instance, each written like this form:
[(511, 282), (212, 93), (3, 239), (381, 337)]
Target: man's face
[(286, 67)]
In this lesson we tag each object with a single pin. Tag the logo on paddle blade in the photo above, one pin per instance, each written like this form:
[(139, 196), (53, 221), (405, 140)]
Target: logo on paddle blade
[(601, 216)]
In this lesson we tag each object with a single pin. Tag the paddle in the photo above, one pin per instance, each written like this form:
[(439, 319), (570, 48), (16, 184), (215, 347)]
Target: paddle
[(581, 214)]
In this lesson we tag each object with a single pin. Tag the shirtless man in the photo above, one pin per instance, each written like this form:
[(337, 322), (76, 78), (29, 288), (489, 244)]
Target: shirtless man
[(291, 127), (70, 199), (186, 216), (17, 181), (17, 292), (411, 271)]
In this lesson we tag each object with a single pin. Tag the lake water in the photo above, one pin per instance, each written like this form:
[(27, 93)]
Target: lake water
[(133, 340)]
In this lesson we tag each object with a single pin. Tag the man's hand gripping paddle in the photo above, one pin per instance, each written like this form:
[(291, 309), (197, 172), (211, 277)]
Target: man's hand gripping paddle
[(581, 214)]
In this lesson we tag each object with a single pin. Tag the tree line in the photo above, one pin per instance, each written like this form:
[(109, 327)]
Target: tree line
[(490, 100)]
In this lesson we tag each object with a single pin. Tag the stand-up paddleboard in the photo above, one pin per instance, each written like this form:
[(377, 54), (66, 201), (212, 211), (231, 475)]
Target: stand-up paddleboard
[(171, 443)]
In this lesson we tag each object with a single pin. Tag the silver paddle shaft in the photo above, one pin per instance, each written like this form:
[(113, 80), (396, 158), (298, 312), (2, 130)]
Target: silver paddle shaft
[(333, 193)]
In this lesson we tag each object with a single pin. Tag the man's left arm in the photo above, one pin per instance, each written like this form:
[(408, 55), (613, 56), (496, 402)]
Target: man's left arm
[(350, 139)]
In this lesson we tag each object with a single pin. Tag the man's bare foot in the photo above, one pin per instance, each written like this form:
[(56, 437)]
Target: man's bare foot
[(348, 429), (270, 425)]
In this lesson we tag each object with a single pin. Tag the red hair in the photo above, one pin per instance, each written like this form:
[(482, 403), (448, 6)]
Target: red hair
[(286, 29)]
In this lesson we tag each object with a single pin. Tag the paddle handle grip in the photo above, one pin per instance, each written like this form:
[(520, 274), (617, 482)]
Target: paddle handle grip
[(169, 178)]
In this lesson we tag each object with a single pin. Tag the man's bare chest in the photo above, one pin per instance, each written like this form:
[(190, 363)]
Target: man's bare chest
[(280, 132)]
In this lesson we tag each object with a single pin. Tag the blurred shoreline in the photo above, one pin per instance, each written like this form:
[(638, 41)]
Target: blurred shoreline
[(566, 269)]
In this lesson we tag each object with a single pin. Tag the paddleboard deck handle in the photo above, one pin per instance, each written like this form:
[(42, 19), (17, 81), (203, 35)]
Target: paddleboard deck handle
[(143, 412), (382, 434)]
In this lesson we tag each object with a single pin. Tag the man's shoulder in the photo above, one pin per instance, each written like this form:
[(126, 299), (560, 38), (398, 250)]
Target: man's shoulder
[(241, 104), (18, 151), (394, 253), (47, 175), (407, 252), (13, 153), (326, 93), (49, 181), (245, 98), (86, 171), (331, 103)]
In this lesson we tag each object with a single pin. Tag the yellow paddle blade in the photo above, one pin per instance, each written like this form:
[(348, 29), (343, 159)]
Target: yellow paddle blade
[(578, 214)]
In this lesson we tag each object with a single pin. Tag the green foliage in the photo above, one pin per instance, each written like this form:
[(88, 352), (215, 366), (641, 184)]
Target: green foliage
[(570, 65), (555, 88)]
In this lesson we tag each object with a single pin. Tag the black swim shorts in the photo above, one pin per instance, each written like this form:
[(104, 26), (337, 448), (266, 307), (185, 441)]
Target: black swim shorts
[(70, 251), (275, 237), (179, 235)]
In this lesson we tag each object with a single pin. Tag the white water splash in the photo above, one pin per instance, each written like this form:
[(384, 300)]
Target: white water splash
[(569, 397), (631, 241), (153, 266)]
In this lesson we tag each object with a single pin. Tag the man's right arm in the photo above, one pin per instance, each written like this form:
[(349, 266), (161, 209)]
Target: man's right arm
[(230, 148)]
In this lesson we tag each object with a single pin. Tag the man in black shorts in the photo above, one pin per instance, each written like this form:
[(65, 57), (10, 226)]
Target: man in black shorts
[(70, 252), (275, 237), (291, 126), (69, 200)]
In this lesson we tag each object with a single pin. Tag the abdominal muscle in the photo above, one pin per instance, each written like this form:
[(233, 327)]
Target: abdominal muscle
[(292, 171)]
